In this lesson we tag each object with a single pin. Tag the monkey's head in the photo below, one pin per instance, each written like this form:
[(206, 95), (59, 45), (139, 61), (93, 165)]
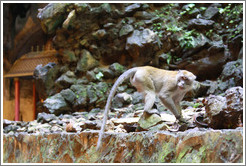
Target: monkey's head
[(185, 79)]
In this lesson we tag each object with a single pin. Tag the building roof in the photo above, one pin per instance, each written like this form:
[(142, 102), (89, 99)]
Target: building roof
[(26, 65)]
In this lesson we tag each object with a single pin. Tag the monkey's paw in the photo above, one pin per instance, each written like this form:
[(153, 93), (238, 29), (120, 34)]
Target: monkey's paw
[(183, 120)]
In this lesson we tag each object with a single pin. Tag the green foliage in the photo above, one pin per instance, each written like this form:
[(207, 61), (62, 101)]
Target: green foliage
[(196, 105), (209, 33), (189, 9), (169, 58), (225, 10), (187, 40), (203, 8), (99, 75), (173, 28)]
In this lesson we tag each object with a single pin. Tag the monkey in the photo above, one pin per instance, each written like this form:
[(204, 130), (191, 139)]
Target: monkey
[(169, 86)]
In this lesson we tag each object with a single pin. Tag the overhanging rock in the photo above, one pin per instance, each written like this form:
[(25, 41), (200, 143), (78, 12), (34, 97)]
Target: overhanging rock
[(191, 146)]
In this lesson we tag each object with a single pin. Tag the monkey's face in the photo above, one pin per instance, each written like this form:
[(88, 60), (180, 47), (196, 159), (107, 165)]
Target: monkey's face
[(185, 80)]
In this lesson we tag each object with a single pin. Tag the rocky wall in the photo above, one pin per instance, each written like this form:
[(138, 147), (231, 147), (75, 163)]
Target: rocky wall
[(192, 146)]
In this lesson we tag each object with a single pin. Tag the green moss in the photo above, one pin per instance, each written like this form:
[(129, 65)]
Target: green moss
[(167, 153), (182, 154)]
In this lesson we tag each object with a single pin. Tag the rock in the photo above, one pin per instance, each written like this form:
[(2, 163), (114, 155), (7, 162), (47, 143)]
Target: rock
[(66, 80), (200, 24), (70, 128), (142, 45), (167, 117), (45, 79), (211, 13), (56, 104), (86, 62), (68, 95), (234, 112), (127, 124), (92, 96), (235, 44), (107, 73), (99, 34), (149, 121), (45, 118), (202, 89), (91, 125), (132, 8), (52, 16), (233, 69), (69, 20), (69, 57), (123, 121), (43, 128), (101, 10), (11, 128), (91, 76), (56, 129), (117, 69), (125, 30), (137, 97), (143, 15), (7, 122), (121, 99), (141, 38), (231, 76), (81, 95), (225, 112), (159, 127), (82, 81)]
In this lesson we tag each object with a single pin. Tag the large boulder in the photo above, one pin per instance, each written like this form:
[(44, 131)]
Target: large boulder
[(66, 80), (52, 16), (225, 112), (142, 45), (231, 76), (81, 96), (45, 77), (86, 62), (56, 104), (141, 38)]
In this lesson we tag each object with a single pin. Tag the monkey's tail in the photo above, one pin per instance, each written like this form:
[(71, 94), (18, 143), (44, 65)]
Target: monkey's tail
[(127, 74)]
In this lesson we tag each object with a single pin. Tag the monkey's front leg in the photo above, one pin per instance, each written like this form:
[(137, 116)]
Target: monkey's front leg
[(180, 112), (169, 103)]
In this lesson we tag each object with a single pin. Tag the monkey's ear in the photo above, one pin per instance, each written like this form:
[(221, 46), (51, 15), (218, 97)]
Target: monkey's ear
[(180, 73)]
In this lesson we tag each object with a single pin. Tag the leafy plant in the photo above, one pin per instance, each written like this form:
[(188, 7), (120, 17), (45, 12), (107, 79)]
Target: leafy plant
[(196, 105), (187, 40), (99, 75), (173, 28), (169, 58), (209, 33), (189, 9)]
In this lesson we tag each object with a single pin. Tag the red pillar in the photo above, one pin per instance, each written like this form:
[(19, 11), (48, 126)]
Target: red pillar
[(34, 100), (17, 99)]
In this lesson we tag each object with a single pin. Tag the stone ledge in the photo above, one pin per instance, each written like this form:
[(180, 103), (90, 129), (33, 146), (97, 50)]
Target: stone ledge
[(191, 146)]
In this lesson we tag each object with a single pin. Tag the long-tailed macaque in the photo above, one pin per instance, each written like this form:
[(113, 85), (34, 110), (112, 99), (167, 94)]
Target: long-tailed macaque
[(169, 86)]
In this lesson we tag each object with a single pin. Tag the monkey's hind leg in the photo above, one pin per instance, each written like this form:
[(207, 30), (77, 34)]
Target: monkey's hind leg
[(149, 102)]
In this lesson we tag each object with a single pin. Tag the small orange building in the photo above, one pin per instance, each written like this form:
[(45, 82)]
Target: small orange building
[(23, 69)]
